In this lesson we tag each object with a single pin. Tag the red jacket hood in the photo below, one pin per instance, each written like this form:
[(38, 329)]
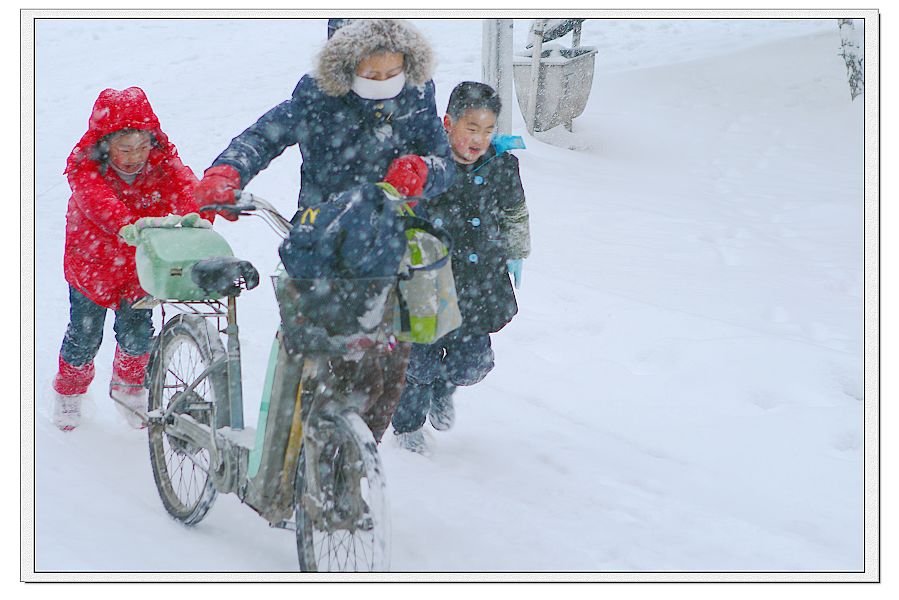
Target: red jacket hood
[(115, 110)]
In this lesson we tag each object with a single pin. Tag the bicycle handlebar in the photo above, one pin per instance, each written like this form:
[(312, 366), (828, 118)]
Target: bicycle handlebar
[(254, 205), (235, 208)]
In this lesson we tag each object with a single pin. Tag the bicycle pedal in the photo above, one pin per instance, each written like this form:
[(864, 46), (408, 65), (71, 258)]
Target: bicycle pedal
[(366, 523), (289, 525)]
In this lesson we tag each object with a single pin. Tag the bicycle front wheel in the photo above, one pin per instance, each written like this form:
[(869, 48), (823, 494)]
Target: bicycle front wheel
[(188, 345), (344, 525)]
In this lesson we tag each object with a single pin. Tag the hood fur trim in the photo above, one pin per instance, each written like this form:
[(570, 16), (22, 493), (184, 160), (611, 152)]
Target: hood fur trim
[(336, 63)]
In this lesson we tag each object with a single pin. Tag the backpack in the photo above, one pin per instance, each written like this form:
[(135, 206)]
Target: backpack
[(357, 234)]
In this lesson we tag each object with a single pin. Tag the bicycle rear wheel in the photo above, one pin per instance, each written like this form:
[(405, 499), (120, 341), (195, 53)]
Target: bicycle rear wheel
[(344, 526), (180, 468)]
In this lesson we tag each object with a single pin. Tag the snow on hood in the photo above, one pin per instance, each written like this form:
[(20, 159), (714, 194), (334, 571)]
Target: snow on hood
[(115, 110)]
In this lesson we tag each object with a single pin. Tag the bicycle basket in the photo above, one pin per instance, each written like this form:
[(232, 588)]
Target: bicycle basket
[(165, 256), (324, 315)]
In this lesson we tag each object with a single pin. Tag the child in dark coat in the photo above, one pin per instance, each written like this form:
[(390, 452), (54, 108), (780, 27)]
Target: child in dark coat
[(486, 214), (124, 168)]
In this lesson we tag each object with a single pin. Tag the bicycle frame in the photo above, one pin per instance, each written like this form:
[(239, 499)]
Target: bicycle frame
[(259, 465), (311, 454), (233, 364)]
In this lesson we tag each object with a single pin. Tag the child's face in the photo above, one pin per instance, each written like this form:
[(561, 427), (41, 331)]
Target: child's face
[(128, 152), (470, 135)]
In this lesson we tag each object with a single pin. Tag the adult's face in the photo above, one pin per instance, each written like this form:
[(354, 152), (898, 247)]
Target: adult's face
[(381, 66)]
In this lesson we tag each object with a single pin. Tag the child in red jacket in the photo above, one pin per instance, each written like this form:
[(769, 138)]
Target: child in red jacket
[(124, 168)]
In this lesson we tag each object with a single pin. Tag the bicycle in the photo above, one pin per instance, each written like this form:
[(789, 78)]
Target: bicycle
[(311, 456)]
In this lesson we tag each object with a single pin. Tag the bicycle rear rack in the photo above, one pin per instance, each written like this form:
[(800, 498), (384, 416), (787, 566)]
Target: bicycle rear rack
[(208, 309)]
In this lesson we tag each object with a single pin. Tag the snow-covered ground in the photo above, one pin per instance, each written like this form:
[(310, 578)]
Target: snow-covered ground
[(683, 387)]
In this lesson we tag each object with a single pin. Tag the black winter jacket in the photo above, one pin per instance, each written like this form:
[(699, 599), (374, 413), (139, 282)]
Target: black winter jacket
[(486, 214), (345, 140)]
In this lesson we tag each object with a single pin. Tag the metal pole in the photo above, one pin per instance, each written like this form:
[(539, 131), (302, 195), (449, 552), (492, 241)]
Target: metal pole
[(235, 386), (489, 51), (537, 50), (496, 66)]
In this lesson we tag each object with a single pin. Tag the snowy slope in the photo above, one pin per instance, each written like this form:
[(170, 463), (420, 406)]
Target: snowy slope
[(683, 387)]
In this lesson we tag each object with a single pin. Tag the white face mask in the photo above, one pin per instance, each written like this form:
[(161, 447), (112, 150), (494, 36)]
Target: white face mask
[(372, 89)]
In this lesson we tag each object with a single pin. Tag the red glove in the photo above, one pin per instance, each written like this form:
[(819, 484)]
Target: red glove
[(408, 175), (217, 187)]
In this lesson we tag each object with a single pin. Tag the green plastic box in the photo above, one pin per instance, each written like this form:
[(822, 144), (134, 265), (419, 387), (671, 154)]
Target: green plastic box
[(165, 257)]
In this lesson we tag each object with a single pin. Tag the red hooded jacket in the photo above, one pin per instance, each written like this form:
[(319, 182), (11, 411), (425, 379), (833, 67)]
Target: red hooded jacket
[(97, 262)]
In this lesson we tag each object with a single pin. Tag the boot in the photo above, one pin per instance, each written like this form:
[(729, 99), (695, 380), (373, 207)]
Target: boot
[(412, 410), (70, 386), (127, 387), (67, 411), (442, 414), (413, 441)]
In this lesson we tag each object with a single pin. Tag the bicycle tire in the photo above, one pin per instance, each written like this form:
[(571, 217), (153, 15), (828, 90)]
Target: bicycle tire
[(350, 454), (187, 345)]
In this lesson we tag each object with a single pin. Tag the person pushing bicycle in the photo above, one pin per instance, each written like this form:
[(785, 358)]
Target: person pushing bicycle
[(123, 168), (368, 109)]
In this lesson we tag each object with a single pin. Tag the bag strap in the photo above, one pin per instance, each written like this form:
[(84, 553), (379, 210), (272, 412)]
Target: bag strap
[(405, 316), (411, 223)]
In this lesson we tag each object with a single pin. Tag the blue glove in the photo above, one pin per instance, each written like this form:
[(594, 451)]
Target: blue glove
[(503, 143), (514, 266)]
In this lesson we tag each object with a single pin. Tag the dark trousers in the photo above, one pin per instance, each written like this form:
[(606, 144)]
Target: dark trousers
[(459, 358), (380, 375), (133, 329)]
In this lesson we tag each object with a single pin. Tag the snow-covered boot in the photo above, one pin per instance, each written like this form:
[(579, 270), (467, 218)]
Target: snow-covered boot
[(67, 411), (69, 387), (127, 387), (413, 441), (442, 414)]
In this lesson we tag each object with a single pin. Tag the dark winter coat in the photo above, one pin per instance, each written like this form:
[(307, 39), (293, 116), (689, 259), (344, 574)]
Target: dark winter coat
[(346, 140), (486, 214), (97, 262)]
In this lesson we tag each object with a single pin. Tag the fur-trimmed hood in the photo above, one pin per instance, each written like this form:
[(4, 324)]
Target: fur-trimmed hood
[(337, 61)]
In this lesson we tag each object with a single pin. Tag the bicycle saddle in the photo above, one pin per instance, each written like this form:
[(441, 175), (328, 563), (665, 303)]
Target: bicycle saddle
[(223, 275)]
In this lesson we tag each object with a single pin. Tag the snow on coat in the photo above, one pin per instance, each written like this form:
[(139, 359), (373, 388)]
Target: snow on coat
[(345, 140), (486, 214), (97, 262)]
